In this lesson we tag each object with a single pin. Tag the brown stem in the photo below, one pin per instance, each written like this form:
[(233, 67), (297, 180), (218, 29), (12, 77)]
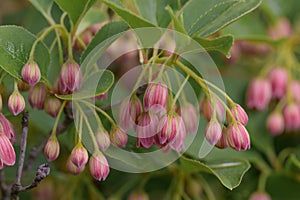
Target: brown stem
[(23, 147), (17, 184), (42, 172)]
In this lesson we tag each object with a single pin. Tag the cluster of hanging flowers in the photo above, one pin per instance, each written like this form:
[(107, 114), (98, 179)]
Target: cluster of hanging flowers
[(156, 118), (154, 121), (226, 127), (277, 87), (157, 123), (7, 137)]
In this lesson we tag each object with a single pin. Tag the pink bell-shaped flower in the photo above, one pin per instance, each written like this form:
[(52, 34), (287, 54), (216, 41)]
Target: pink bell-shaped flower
[(259, 94), (98, 166), (31, 73)]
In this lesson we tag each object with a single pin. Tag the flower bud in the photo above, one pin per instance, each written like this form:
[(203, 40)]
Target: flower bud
[(98, 166), (102, 138), (239, 114), (278, 78), (146, 129), (254, 48), (118, 137), (31, 73), (213, 132), (260, 196), (168, 128), (259, 94), (73, 169), (7, 128), (155, 98), (147, 125), (96, 27), (37, 95), (138, 195), (144, 142), (70, 76), (86, 37), (51, 149), (223, 142), (52, 106), (291, 115), (238, 137), (189, 115), (58, 87), (295, 90), (129, 111), (79, 156), (7, 152), (178, 143), (275, 123), (207, 109), (16, 103), (282, 28)]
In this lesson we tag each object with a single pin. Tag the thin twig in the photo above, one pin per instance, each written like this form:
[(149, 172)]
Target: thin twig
[(17, 184), (42, 172), (23, 147)]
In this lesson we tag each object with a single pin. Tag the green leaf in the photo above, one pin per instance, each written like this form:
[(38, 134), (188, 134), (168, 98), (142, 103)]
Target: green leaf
[(163, 17), (248, 26), (43, 6), (133, 20), (203, 17), (229, 172), (147, 9), (93, 16), (104, 79), (108, 33), (76, 8), (221, 44), (177, 24), (15, 47), (154, 10)]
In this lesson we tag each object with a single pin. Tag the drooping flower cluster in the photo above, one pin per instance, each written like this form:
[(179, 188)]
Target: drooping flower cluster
[(156, 124), (7, 137), (41, 97), (277, 86), (281, 29), (223, 133), (78, 159)]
